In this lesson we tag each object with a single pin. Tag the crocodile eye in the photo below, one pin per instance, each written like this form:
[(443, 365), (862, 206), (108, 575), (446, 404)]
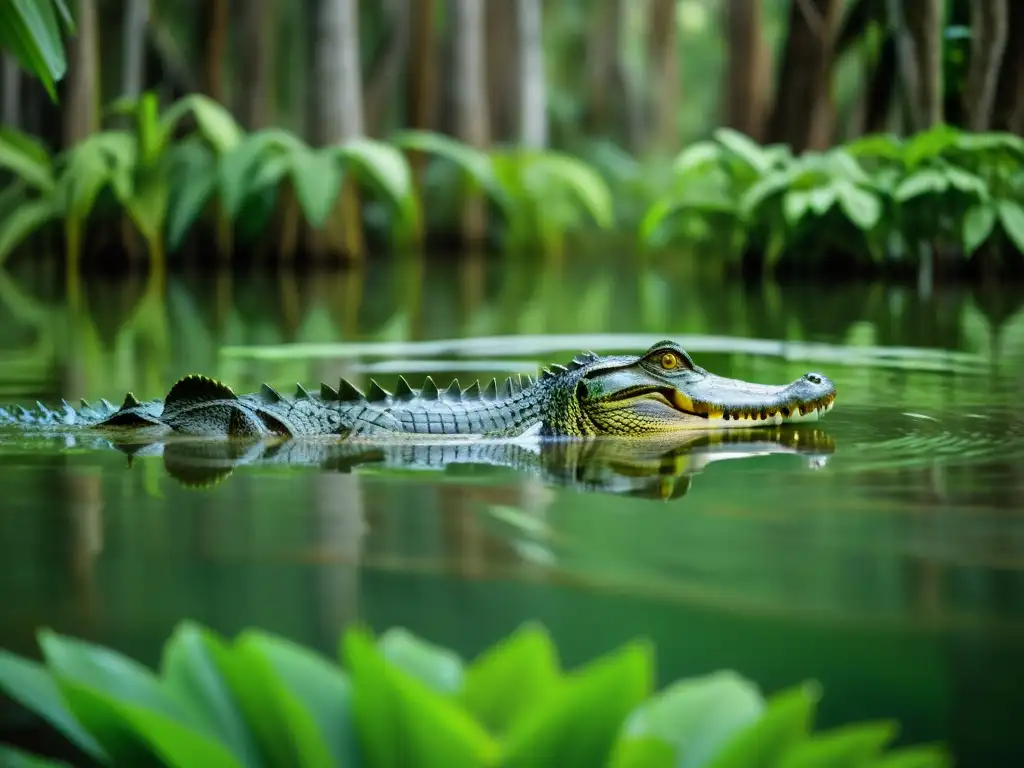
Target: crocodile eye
[(669, 361)]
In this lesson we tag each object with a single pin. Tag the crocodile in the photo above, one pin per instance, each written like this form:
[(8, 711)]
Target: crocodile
[(661, 468), (657, 392)]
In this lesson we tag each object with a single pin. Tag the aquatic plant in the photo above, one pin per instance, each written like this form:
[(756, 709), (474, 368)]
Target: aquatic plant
[(30, 30), (943, 189), (400, 700)]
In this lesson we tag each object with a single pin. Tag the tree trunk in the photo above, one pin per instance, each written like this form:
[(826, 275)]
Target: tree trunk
[(881, 87), (421, 96), (81, 113), (1010, 100), (215, 42), (924, 34), (337, 93), (533, 109), (470, 92), (608, 93), (748, 70), (504, 71), (133, 65), (387, 66), (665, 73), (337, 106), (10, 111), (258, 25), (989, 30), (802, 102)]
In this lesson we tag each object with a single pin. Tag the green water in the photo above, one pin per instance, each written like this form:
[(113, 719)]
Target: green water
[(884, 556)]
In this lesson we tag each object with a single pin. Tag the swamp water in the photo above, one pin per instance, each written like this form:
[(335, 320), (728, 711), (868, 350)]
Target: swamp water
[(880, 551)]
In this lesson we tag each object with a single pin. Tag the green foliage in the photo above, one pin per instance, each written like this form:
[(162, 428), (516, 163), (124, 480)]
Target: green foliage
[(30, 30), (260, 700), (540, 194), (878, 195)]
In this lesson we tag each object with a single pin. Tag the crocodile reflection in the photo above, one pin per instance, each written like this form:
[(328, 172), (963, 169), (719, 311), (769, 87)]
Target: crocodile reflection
[(653, 469)]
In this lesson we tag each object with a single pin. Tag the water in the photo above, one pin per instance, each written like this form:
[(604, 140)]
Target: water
[(880, 551)]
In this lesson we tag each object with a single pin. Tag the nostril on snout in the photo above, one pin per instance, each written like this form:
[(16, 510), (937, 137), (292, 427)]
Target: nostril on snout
[(813, 378)]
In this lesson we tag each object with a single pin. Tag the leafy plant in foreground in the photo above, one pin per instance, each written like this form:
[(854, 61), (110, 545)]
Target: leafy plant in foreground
[(260, 700)]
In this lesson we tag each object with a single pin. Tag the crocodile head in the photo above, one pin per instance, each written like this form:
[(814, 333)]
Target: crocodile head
[(663, 390)]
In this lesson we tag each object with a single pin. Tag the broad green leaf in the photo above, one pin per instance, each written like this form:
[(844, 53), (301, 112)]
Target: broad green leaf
[(660, 212), (918, 756), (510, 678), (762, 190), (187, 203), (30, 684), (928, 181), (29, 31), (401, 721), (26, 158), (190, 674), (698, 155), (105, 670), (695, 716), (124, 706), (861, 207), (849, 746), (846, 166), (966, 181), (880, 145), (821, 199), (473, 162), (787, 720), (438, 668), (745, 148), (241, 166), (989, 141), (147, 207), (387, 170), (584, 182), (929, 145), (86, 174), (20, 222), (17, 758), (577, 724), (131, 732), (215, 123), (978, 224), (270, 710), (644, 752), (316, 177), (795, 205), (1011, 216), (320, 688)]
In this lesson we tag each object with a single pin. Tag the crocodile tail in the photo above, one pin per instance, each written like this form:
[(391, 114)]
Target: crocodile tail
[(64, 415)]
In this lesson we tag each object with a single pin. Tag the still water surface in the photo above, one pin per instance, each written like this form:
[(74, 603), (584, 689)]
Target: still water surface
[(880, 551)]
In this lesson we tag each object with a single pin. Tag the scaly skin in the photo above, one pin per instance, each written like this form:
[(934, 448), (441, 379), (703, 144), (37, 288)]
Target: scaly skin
[(661, 391)]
